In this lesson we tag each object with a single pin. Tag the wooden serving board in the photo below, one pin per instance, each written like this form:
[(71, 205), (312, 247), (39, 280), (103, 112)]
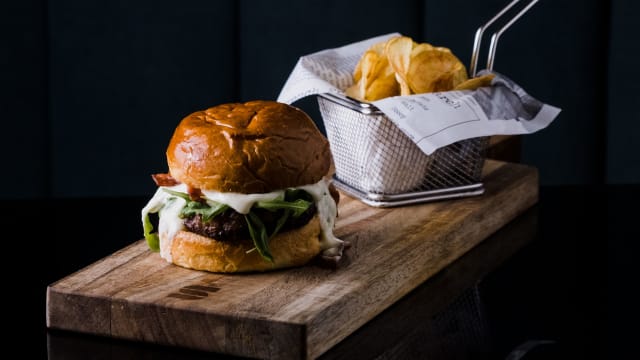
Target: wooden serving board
[(295, 313)]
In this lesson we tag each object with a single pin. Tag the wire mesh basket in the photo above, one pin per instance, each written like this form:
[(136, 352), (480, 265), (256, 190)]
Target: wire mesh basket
[(380, 165)]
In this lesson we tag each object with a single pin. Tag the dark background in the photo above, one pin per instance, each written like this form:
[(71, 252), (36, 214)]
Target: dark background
[(92, 90)]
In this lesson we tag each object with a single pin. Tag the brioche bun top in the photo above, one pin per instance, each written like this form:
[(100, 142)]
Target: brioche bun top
[(253, 147)]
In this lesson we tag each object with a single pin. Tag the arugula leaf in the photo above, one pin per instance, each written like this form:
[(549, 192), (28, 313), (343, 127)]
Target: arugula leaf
[(153, 240), (297, 207), (185, 196), (294, 194), (295, 203), (207, 212), (258, 233), (281, 221)]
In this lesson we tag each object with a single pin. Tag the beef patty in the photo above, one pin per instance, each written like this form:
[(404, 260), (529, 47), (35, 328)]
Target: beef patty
[(232, 226)]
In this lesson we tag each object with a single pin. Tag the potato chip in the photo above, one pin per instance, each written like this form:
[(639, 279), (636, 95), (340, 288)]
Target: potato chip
[(443, 49), (378, 47), (381, 83), (418, 48), (353, 92), (398, 51), (400, 66), (369, 65), (375, 79), (476, 82), (382, 87), (384, 83), (357, 72), (435, 70), (364, 67)]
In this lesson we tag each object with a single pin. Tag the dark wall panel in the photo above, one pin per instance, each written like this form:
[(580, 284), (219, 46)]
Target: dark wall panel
[(123, 74), (23, 100), (557, 52), (273, 38), (623, 122), (91, 91)]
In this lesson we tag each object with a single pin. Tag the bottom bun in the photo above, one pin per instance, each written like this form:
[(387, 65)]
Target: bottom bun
[(291, 248)]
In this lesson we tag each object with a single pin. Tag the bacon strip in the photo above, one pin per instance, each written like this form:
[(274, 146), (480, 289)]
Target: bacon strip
[(167, 180), (164, 180), (195, 194)]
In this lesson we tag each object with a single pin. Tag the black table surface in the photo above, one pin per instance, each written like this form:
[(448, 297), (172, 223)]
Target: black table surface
[(566, 293)]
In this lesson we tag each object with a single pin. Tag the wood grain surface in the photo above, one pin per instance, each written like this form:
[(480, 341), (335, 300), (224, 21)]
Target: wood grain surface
[(294, 313)]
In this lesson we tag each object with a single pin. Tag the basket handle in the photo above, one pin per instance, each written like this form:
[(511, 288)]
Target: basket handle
[(495, 37)]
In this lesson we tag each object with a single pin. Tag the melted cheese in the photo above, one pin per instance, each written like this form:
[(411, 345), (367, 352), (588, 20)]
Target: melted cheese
[(327, 210), (241, 203), (168, 213), (168, 208)]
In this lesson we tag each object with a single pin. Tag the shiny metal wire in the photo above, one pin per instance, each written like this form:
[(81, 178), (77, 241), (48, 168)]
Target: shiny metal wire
[(376, 162), (495, 37)]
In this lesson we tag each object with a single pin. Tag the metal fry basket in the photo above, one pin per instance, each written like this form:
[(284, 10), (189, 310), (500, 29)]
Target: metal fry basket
[(380, 165)]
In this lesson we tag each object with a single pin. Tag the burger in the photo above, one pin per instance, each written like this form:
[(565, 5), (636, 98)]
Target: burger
[(247, 190)]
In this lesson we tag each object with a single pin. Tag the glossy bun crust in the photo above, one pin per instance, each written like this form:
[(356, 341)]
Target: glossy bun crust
[(290, 248), (253, 147)]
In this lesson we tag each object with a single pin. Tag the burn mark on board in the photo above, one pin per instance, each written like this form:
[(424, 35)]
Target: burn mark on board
[(194, 292)]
